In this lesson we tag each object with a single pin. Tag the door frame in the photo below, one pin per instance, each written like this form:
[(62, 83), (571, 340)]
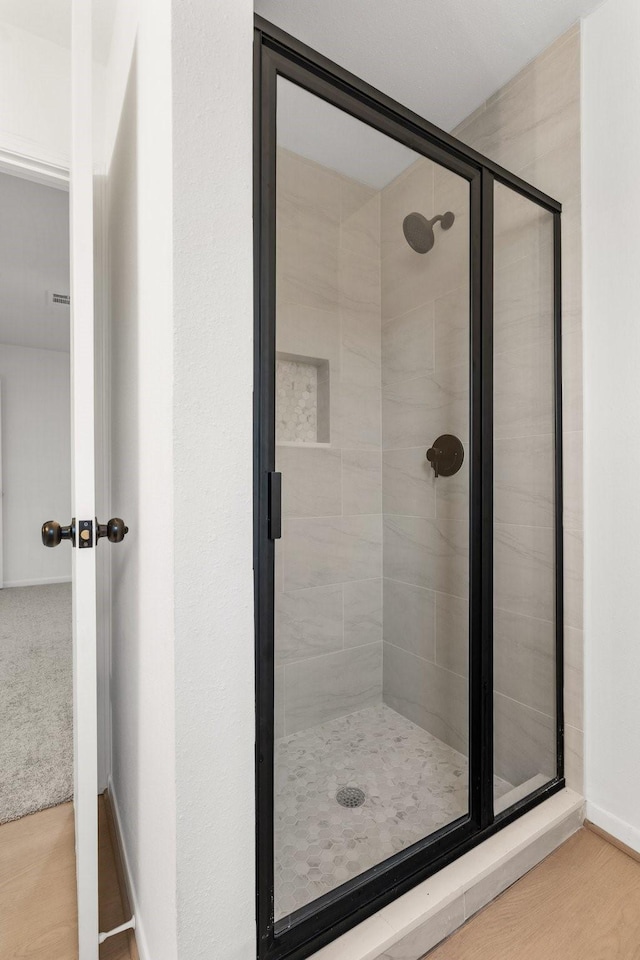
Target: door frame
[(309, 928)]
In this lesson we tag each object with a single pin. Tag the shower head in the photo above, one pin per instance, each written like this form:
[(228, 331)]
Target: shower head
[(418, 231)]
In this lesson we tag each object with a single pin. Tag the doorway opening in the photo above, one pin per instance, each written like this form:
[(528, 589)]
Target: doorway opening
[(36, 742)]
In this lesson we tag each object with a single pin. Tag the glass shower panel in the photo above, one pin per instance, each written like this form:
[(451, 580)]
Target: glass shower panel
[(372, 426), (524, 499)]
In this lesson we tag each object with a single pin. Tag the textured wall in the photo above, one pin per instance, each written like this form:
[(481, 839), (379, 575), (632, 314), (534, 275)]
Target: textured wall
[(329, 561)]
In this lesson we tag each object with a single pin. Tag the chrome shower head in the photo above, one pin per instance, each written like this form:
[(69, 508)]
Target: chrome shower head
[(418, 231)]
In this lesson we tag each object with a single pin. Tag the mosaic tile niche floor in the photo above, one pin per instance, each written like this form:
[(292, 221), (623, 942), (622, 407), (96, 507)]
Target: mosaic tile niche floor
[(413, 784)]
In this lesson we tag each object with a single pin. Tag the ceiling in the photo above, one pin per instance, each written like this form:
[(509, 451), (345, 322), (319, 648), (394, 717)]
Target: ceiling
[(34, 263), (51, 20), (440, 58)]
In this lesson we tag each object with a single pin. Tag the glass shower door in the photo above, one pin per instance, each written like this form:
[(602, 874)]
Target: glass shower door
[(371, 598)]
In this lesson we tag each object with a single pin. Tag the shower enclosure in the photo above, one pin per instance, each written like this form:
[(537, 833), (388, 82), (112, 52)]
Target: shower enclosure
[(408, 534)]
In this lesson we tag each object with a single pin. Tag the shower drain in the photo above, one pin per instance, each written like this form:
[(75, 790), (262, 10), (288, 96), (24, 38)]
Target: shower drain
[(350, 797)]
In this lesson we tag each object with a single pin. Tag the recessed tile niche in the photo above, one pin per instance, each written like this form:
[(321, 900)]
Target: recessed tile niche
[(302, 399)]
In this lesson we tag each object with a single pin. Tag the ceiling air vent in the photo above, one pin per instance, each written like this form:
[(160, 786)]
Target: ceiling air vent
[(62, 298)]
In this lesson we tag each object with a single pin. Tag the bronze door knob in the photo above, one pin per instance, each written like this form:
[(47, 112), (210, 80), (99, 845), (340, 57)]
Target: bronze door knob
[(53, 533), (114, 530)]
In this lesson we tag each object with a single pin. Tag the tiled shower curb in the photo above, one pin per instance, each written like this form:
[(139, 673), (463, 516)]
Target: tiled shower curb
[(418, 920)]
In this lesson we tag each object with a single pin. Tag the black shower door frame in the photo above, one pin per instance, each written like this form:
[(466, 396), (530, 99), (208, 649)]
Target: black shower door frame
[(302, 933)]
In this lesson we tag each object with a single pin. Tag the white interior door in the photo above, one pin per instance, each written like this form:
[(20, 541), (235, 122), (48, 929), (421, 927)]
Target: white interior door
[(83, 482)]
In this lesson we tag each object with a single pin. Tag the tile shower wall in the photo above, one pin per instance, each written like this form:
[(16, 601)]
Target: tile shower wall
[(425, 376), (329, 560), (532, 127)]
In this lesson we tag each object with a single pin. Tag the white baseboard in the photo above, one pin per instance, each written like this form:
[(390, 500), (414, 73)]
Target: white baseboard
[(620, 829), (35, 583), (141, 940)]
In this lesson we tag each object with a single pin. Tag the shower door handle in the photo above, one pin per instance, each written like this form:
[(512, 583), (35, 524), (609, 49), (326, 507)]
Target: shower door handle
[(275, 506)]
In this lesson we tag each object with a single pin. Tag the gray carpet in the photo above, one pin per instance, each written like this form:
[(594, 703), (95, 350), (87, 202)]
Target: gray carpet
[(36, 707)]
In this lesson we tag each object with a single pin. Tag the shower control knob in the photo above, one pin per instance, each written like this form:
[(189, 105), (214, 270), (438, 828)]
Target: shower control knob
[(53, 533), (446, 455), (114, 530)]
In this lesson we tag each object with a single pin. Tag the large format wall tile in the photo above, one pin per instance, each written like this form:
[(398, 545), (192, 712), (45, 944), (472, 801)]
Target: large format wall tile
[(557, 173), (573, 578), (524, 480), (360, 219), (361, 481), (452, 633), (534, 113), (331, 550), (306, 271), (524, 660), (453, 327), (409, 618), (405, 283), (408, 483), (311, 481), (361, 358), (359, 283), (572, 380), (524, 570), (359, 424), (572, 486), (332, 686), (573, 674), (427, 695), (524, 741), (415, 412), (523, 299), (521, 228), (407, 345), (523, 391), (308, 623), (574, 758), (427, 553), (309, 332), (308, 197), (362, 612)]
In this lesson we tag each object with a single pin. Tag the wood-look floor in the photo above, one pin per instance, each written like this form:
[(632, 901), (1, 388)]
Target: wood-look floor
[(38, 916), (581, 903)]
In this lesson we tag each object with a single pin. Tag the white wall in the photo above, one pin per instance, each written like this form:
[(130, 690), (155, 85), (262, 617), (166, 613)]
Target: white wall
[(611, 237), (35, 96), (36, 447), (212, 405), (142, 661), (181, 311)]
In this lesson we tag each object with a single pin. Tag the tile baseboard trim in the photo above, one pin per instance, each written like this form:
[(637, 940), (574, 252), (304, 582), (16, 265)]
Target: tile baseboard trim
[(426, 915), (615, 830)]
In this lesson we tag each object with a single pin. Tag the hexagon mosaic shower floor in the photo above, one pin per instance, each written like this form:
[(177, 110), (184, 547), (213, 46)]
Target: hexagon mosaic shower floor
[(413, 784)]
